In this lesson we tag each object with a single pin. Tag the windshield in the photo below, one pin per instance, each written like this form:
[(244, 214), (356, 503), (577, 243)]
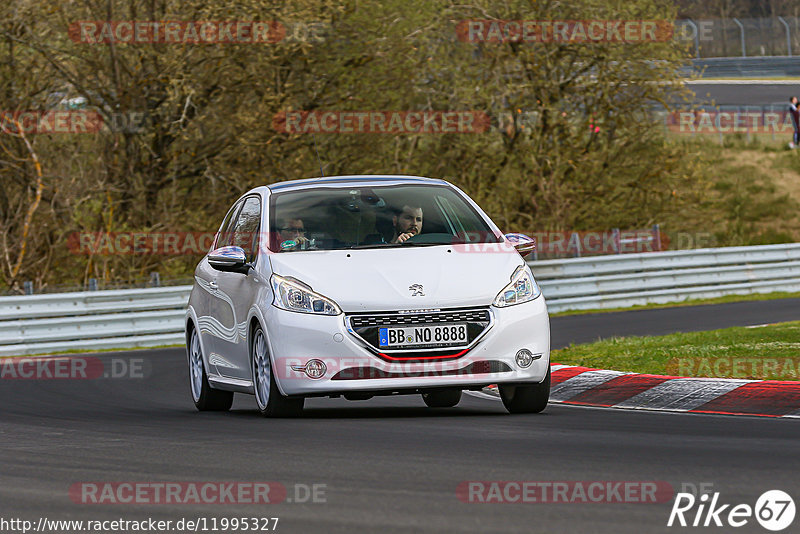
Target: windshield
[(328, 218)]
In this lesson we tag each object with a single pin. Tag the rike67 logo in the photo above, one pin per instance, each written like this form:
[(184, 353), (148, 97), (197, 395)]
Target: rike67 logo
[(774, 510)]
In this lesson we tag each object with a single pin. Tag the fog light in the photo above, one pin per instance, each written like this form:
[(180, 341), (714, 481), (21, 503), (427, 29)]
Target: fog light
[(524, 358), (315, 369)]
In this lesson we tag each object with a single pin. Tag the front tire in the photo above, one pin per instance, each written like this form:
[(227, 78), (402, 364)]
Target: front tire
[(206, 399), (446, 398), (269, 400), (526, 399)]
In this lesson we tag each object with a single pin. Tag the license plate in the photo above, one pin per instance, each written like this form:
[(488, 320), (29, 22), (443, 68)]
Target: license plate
[(440, 335)]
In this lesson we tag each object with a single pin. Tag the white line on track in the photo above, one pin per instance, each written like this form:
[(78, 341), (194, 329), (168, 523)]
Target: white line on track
[(712, 81)]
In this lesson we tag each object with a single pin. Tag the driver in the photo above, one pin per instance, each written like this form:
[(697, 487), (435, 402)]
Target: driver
[(407, 223)]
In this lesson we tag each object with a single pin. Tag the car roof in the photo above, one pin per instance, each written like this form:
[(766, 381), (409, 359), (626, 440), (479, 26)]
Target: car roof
[(354, 181)]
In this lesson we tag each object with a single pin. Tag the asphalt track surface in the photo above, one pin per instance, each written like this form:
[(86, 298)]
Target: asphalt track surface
[(388, 464), (744, 94)]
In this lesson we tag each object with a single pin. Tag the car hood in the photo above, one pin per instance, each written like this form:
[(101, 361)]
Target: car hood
[(380, 279)]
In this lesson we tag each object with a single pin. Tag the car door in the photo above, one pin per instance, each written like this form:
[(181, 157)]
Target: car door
[(215, 318), (239, 290)]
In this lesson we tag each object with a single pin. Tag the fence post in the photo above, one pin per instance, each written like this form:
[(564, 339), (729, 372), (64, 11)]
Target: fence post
[(155, 279), (577, 240), (657, 237), (92, 284), (788, 36), (615, 238), (28, 285), (741, 30)]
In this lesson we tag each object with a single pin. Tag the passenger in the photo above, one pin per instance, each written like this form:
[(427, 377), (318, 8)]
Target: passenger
[(293, 230)]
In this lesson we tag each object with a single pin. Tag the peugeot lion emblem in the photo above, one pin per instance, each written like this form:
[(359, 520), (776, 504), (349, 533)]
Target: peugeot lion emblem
[(416, 290)]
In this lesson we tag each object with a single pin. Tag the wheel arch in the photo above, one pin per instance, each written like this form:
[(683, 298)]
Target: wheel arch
[(256, 318), (190, 324)]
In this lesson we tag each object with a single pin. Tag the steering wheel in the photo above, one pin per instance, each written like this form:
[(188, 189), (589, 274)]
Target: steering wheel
[(414, 238), (431, 239)]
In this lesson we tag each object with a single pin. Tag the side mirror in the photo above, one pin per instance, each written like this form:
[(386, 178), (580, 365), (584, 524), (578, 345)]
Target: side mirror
[(524, 244), (229, 260)]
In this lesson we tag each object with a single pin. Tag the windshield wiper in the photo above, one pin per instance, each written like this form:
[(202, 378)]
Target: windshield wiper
[(375, 245), (393, 245)]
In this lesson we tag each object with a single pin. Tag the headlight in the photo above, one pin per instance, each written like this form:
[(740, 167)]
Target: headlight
[(293, 296), (522, 288)]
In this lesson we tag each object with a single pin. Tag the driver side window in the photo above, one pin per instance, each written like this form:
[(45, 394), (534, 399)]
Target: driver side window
[(225, 235), (245, 232)]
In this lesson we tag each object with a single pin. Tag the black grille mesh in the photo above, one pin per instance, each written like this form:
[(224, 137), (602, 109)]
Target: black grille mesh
[(362, 321)]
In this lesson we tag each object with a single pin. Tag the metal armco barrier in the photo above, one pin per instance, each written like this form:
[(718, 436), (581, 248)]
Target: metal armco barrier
[(131, 318), (92, 320), (751, 67), (658, 277)]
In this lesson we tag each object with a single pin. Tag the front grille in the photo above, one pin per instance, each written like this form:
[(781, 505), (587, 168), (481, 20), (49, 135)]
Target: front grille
[(366, 325), (396, 319)]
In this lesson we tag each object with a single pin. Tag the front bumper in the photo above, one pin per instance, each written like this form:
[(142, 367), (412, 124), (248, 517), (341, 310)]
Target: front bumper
[(296, 338)]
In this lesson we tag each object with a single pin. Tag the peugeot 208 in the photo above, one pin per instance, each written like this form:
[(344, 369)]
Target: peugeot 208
[(358, 286)]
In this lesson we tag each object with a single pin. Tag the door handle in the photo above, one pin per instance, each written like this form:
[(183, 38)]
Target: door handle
[(213, 284)]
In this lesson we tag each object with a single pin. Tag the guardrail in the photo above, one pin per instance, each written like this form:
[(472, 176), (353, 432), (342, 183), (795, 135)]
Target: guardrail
[(750, 67), (635, 279), (132, 318), (92, 320)]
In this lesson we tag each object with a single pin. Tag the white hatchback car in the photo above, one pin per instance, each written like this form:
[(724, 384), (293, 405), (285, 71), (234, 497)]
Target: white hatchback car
[(358, 286)]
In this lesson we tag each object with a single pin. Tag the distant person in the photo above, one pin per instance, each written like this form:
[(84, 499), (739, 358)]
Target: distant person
[(795, 113), (407, 223)]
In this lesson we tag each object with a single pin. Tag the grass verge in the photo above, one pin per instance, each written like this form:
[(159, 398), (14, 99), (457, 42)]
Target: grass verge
[(770, 352)]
